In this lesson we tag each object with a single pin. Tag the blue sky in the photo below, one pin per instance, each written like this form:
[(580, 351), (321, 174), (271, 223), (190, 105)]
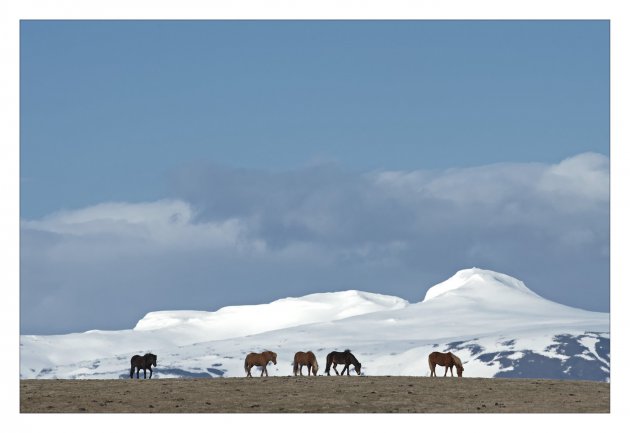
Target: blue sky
[(197, 164), (120, 105)]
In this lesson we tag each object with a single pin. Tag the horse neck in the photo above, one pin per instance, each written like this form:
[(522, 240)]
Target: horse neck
[(456, 360)]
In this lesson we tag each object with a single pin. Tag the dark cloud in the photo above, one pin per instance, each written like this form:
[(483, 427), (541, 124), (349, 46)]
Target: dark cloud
[(236, 236)]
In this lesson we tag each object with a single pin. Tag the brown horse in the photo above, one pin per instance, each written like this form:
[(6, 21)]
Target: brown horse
[(447, 360), (142, 362), (261, 360), (345, 358), (301, 359)]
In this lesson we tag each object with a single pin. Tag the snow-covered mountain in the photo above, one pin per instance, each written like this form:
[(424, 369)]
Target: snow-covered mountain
[(493, 322)]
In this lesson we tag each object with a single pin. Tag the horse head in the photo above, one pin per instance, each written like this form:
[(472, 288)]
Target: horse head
[(151, 358), (273, 357), (458, 364), (357, 368)]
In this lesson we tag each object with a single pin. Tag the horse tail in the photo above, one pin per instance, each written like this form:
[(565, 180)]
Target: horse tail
[(245, 364), (315, 366), (328, 363), (133, 367)]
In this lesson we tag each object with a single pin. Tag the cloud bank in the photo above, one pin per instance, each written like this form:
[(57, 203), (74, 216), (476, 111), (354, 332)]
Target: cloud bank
[(236, 236)]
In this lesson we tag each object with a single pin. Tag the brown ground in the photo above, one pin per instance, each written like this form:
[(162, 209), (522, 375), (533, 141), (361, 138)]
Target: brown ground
[(382, 394)]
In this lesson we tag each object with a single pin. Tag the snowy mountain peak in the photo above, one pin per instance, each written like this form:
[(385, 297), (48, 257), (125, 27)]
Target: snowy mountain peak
[(495, 324), (480, 283), (241, 320)]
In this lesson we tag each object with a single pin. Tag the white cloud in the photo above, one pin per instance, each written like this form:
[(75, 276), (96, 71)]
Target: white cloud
[(584, 179), (578, 182), (166, 224), (235, 236)]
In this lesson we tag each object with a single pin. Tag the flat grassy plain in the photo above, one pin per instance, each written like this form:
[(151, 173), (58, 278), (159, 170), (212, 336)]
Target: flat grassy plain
[(321, 394)]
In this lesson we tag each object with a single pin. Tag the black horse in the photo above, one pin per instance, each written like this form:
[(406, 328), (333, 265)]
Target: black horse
[(345, 358), (142, 362)]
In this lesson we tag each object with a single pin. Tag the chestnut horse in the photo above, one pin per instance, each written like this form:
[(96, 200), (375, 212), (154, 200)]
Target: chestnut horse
[(301, 359), (142, 362), (261, 360), (345, 358), (447, 360)]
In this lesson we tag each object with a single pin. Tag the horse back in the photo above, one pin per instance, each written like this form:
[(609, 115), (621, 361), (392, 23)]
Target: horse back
[(332, 357), (259, 358), (304, 357), (341, 357), (440, 358)]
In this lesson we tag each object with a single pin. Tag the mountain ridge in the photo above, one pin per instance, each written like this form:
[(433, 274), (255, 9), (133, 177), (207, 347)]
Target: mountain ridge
[(496, 324)]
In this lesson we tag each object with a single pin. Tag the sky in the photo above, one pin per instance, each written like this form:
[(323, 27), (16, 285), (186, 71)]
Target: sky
[(172, 165)]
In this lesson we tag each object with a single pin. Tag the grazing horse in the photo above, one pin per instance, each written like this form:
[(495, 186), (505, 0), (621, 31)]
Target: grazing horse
[(143, 362), (345, 358), (447, 360), (259, 359), (301, 359)]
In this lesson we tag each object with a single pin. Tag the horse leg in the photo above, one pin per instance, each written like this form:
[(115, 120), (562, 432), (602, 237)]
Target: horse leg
[(345, 368), (150, 373), (137, 372), (249, 371), (301, 365), (145, 372)]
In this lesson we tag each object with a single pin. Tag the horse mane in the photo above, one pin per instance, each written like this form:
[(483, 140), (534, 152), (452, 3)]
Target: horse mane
[(457, 361), (346, 351)]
